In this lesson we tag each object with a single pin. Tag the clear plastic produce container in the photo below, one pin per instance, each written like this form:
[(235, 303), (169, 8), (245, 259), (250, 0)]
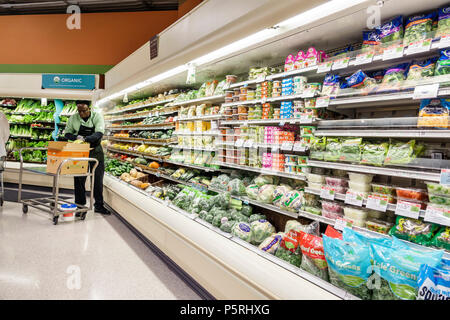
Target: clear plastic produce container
[(373, 214), (315, 186), (336, 182), (359, 187), (411, 194), (439, 200), (339, 173), (362, 194), (341, 190), (358, 222), (316, 178), (379, 226), (313, 210), (332, 207), (331, 214), (389, 198), (360, 177), (383, 189), (438, 189), (355, 213)]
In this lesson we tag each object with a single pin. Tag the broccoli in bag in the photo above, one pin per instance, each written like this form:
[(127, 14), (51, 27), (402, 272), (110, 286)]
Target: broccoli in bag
[(414, 230), (261, 229), (419, 70), (236, 187), (394, 76), (398, 269), (391, 30), (443, 27), (433, 283), (243, 231), (289, 249), (418, 27), (313, 257), (349, 265)]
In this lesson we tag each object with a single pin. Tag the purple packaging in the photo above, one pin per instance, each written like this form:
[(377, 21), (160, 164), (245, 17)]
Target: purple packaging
[(289, 63), (299, 60)]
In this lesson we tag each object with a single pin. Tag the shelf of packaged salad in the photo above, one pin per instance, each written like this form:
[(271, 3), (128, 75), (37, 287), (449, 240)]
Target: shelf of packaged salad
[(262, 171), (143, 115), (204, 118), (394, 172), (208, 99), (141, 106)]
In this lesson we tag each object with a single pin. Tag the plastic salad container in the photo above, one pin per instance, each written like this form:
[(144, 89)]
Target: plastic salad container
[(439, 199), (339, 173), (313, 210), (332, 207), (331, 214), (383, 189), (354, 213), (360, 187), (336, 182), (438, 189), (411, 194), (362, 194), (341, 190), (358, 222), (360, 177), (373, 214), (316, 186), (388, 197), (316, 178), (379, 226)]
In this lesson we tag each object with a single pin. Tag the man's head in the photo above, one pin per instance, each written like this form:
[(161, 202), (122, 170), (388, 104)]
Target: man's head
[(84, 109)]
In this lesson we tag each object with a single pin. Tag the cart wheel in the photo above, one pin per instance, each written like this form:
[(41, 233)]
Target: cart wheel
[(55, 220), (25, 209), (83, 216), (1, 202)]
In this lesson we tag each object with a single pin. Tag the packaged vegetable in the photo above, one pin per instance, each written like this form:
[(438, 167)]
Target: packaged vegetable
[(378, 226), (395, 75), (391, 30), (266, 193), (398, 268), (252, 191), (354, 213), (421, 69), (227, 226), (443, 64), (264, 179), (434, 113), (439, 200), (332, 150), (374, 154), (261, 229), (314, 185), (411, 194), (279, 194), (349, 265), (255, 217), (400, 153), (383, 189), (359, 187), (236, 187), (330, 85), (289, 249), (442, 238), (271, 243), (313, 210), (438, 189), (443, 22), (333, 233), (413, 230), (294, 225), (313, 257), (360, 177), (433, 283), (316, 178), (371, 39), (332, 206), (222, 200), (374, 214), (243, 231), (351, 149), (387, 197), (330, 214), (310, 199), (418, 27), (293, 201), (247, 210), (360, 80)]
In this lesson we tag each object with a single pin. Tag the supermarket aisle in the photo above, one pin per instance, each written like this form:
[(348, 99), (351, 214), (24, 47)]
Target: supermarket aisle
[(99, 258)]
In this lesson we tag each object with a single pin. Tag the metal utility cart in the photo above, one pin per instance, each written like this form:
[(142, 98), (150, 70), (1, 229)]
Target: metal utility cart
[(2, 188), (51, 204)]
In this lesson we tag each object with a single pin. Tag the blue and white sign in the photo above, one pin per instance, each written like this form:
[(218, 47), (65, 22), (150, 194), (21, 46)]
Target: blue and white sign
[(68, 81)]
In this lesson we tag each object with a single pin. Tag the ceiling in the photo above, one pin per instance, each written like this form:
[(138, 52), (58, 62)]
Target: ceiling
[(19, 7)]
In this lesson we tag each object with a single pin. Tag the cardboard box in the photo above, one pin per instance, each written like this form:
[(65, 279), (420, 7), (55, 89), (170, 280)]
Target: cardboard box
[(59, 151)]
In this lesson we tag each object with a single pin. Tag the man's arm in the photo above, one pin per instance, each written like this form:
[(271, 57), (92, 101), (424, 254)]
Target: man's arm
[(99, 125), (69, 132)]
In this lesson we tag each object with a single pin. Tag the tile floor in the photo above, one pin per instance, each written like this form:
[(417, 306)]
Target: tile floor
[(99, 258)]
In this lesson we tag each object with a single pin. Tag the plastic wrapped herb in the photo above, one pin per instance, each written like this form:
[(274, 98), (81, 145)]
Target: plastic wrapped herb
[(391, 30), (418, 27), (400, 153), (349, 265), (442, 238), (333, 150), (318, 146), (351, 150), (398, 268), (414, 230), (289, 249), (443, 22), (313, 257), (374, 154), (421, 70)]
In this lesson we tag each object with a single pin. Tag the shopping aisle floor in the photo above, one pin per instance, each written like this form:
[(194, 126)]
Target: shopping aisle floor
[(99, 258)]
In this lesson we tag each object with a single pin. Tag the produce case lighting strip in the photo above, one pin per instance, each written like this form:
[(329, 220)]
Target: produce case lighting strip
[(302, 19)]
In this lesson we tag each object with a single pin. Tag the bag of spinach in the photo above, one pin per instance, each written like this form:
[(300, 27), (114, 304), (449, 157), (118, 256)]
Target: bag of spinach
[(313, 257)]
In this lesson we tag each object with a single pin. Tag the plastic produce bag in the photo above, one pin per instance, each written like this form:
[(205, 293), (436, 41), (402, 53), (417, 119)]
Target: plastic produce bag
[(394, 75), (400, 153), (391, 30), (243, 231), (222, 200), (398, 269), (220, 182), (261, 229), (349, 265), (333, 150), (374, 154), (271, 243), (313, 257), (351, 150), (265, 193), (289, 249), (318, 147), (264, 179), (414, 230), (247, 210), (255, 217), (371, 39), (294, 225), (279, 194), (236, 187), (330, 85), (433, 283), (252, 191), (442, 238), (293, 201), (443, 64), (227, 225), (421, 69), (443, 22), (418, 27)]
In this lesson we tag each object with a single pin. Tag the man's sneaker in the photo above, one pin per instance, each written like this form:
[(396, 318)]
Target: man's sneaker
[(102, 210)]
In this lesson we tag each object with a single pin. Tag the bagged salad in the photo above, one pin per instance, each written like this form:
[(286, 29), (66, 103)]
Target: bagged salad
[(433, 283), (419, 70), (391, 30), (332, 149), (371, 41), (418, 27), (434, 113), (313, 257), (403, 152), (351, 149), (443, 27), (394, 76), (398, 268), (330, 85), (374, 154), (414, 230), (289, 249), (442, 238), (318, 147), (443, 64)]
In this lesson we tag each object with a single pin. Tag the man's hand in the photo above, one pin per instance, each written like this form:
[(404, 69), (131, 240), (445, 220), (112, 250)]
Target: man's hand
[(80, 138)]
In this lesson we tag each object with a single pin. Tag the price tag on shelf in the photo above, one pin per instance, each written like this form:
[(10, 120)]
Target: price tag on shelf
[(287, 146), (282, 123), (245, 124), (419, 46), (364, 58), (438, 215), (298, 147), (353, 198), (322, 102), (308, 93), (226, 86), (263, 100), (261, 78), (445, 41), (327, 193), (428, 91), (340, 224), (376, 203), (324, 67), (341, 63), (239, 143), (248, 143), (393, 52), (305, 118), (445, 177), (407, 209), (275, 148)]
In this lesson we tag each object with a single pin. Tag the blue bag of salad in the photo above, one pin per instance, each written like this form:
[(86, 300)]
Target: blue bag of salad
[(330, 84), (391, 30), (418, 27), (351, 235), (443, 64), (443, 27), (419, 70), (359, 80), (371, 39), (398, 269), (433, 283), (349, 265), (445, 264)]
